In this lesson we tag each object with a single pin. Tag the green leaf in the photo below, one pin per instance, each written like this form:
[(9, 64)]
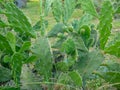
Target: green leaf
[(58, 43), (69, 6), (57, 10), (63, 78), (42, 50), (68, 62), (88, 6), (85, 33), (47, 6), (79, 43), (62, 66), (7, 59), (26, 46), (118, 10), (111, 77), (5, 74), (27, 76), (30, 59), (113, 66), (2, 24), (84, 20), (12, 40), (68, 46), (89, 63), (16, 65), (4, 45), (93, 40), (37, 25), (114, 49), (105, 24), (17, 20), (76, 78), (58, 28)]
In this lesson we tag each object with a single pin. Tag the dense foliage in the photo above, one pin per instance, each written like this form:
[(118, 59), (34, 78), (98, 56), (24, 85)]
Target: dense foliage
[(67, 57)]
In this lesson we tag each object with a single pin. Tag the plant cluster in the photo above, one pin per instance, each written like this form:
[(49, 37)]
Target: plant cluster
[(66, 57)]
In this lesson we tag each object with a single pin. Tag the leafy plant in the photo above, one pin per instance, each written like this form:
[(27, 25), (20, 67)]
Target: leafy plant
[(79, 46)]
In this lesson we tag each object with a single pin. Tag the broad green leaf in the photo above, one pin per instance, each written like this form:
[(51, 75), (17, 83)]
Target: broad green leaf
[(88, 6), (12, 40), (5, 74), (105, 23), (68, 46), (89, 63), (4, 45), (114, 49), (25, 46), (18, 20), (79, 43), (69, 6), (16, 65), (41, 49), (57, 10), (76, 78), (58, 28)]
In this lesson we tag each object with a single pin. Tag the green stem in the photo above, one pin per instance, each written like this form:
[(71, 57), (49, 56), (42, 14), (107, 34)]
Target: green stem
[(42, 19)]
